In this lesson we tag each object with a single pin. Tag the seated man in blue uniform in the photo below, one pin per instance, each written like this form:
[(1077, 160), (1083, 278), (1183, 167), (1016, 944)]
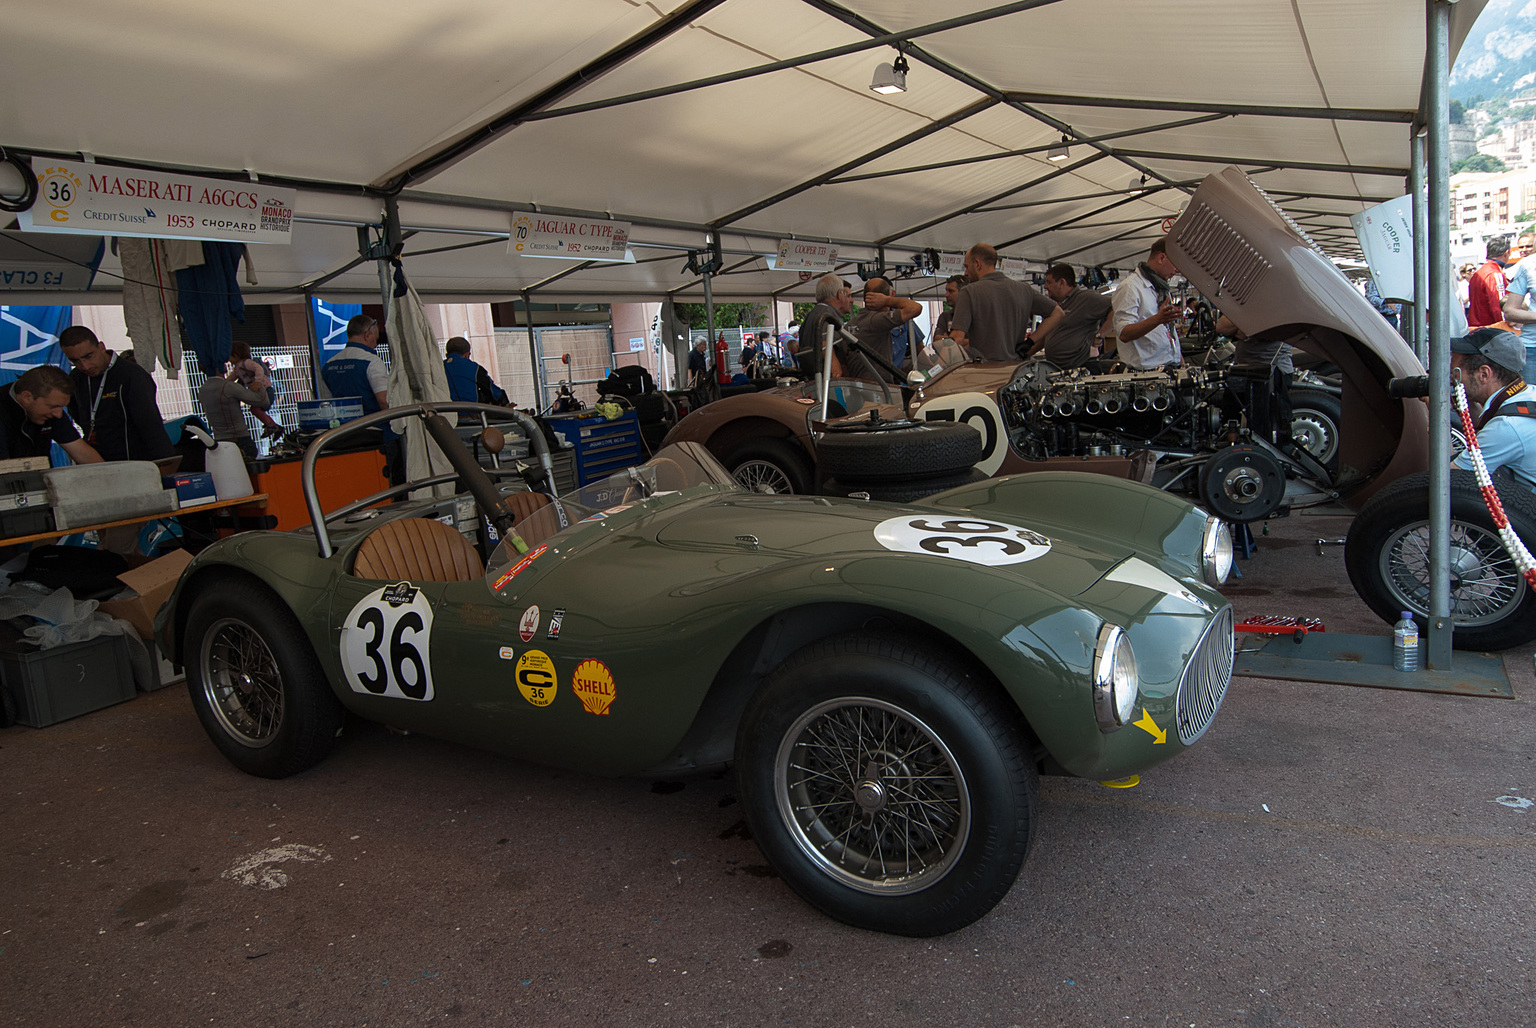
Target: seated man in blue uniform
[(468, 382), (359, 371), (1491, 364)]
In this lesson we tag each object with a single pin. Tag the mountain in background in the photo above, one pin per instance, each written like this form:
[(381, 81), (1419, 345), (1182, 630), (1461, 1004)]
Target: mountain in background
[(1499, 55)]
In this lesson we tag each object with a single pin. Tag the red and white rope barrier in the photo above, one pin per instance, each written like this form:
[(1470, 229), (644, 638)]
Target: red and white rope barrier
[(1512, 544)]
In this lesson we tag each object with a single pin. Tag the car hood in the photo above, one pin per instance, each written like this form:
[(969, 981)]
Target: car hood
[(805, 527)]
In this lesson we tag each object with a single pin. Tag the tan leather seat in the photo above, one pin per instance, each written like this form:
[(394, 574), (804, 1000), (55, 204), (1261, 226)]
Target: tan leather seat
[(535, 518), (417, 549)]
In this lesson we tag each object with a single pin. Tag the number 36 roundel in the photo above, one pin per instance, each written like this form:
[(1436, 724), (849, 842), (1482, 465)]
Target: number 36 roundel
[(385, 644), (969, 539)]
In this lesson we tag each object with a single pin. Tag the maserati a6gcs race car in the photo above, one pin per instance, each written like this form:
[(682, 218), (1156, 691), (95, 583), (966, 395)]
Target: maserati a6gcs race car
[(889, 681)]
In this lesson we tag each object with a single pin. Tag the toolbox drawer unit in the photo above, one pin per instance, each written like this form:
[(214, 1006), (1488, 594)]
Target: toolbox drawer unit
[(602, 446)]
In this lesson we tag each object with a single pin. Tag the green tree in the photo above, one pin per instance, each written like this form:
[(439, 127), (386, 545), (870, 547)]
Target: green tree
[(727, 315), (1479, 162), (1457, 112)]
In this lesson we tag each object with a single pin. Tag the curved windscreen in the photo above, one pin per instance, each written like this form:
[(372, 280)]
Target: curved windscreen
[(676, 468)]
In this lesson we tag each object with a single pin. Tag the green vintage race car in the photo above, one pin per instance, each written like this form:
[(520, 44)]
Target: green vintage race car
[(889, 681)]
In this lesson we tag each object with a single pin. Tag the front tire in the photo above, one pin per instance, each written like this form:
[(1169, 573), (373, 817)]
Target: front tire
[(1387, 556), (256, 685), (887, 785), (775, 466)]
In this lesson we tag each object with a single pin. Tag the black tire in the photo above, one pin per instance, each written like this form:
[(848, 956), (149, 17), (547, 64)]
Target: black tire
[(770, 466), (902, 492), (1387, 556), (1316, 416), (255, 682), (899, 454), (855, 734)]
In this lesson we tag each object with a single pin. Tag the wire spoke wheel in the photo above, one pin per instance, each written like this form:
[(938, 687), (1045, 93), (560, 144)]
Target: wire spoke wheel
[(1485, 583), (871, 795), (242, 682), (761, 476)]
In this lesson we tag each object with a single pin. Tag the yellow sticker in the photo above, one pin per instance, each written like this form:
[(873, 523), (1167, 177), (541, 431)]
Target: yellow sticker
[(593, 685), (536, 678)]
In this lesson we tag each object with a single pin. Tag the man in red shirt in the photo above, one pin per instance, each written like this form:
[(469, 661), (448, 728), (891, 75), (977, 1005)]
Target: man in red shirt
[(1485, 290)]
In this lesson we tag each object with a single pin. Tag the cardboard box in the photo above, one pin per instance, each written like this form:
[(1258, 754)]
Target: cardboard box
[(192, 487), (153, 582)]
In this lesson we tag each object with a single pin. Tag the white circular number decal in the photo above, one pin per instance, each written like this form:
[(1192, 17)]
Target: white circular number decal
[(980, 412), (385, 644), (967, 539)]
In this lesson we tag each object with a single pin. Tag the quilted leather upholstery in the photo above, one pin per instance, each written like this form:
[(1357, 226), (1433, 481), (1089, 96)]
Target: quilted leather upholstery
[(417, 549)]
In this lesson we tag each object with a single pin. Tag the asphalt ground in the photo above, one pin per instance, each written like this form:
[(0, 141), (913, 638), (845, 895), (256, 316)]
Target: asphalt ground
[(1326, 855)]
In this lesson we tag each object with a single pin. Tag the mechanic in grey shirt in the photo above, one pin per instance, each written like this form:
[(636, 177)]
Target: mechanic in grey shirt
[(1070, 343), (221, 399), (993, 313), (882, 311)]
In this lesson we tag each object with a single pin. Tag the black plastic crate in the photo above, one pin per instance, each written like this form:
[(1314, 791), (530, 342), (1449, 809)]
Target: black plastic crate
[(44, 687)]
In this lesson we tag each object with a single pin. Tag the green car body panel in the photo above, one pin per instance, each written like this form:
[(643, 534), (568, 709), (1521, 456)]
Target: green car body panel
[(672, 608)]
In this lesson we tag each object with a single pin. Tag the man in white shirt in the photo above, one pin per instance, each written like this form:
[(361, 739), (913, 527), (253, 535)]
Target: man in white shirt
[(1144, 314)]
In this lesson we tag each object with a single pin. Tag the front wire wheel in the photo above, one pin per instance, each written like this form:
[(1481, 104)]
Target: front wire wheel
[(889, 782), (241, 682), (872, 796), (1486, 586)]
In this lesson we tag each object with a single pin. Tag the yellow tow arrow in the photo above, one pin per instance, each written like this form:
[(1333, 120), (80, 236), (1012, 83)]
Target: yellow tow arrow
[(1146, 724)]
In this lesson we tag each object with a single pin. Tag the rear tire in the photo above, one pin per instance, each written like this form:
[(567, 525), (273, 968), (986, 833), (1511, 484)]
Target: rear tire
[(886, 785), (1387, 556), (1315, 419), (256, 685)]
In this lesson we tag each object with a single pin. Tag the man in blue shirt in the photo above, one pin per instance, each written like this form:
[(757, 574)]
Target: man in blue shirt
[(359, 371), (468, 382), (1517, 292), (1491, 363)]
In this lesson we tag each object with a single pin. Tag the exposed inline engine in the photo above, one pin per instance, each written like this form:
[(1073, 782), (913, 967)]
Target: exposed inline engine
[(1052, 413)]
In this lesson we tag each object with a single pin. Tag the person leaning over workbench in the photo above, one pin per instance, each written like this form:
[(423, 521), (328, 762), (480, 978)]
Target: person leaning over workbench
[(34, 416), (468, 382), (114, 401)]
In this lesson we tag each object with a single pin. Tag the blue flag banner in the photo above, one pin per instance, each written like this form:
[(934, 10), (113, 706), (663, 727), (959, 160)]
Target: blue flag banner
[(331, 323), (29, 336)]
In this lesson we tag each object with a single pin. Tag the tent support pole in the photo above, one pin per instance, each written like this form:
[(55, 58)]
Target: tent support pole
[(535, 358), (314, 343), (1437, 117), (709, 316)]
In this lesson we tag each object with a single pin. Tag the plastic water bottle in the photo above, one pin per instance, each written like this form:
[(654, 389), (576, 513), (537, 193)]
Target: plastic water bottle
[(1405, 643)]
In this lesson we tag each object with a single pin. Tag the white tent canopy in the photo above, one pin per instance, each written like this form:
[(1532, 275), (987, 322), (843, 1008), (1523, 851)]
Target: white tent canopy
[(469, 111)]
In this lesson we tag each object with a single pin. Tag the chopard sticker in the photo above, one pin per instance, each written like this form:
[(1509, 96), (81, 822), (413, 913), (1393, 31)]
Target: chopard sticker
[(399, 594), (592, 683), (555, 621), (969, 539), (506, 653), (512, 572), (386, 644), (536, 678), (528, 627)]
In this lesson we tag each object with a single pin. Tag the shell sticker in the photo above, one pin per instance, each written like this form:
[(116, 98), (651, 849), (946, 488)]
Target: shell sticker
[(513, 571), (536, 678), (528, 627), (972, 540), (592, 683)]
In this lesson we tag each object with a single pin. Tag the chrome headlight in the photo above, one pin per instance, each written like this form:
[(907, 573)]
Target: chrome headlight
[(1216, 552), (1115, 680)]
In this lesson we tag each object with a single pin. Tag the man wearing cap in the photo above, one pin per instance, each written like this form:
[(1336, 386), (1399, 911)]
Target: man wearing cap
[(1491, 363)]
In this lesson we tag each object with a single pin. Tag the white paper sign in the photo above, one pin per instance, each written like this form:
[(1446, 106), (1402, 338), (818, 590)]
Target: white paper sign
[(1012, 267), (951, 264), (547, 235), (96, 200), (1386, 235), (801, 255)]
